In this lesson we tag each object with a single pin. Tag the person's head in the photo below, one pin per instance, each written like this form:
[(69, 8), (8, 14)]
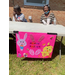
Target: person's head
[(17, 9), (46, 9)]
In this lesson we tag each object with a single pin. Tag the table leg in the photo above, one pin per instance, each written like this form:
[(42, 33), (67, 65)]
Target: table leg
[(60, 48)]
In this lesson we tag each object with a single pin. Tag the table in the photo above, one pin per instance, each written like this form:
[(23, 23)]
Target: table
[(37, 27)]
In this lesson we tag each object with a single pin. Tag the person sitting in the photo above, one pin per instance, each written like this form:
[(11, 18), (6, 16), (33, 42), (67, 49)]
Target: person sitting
[(47, 17), (17, 15)]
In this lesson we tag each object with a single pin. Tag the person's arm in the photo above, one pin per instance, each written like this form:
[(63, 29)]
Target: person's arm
[(41, 19), (22, 18), (16, 18)]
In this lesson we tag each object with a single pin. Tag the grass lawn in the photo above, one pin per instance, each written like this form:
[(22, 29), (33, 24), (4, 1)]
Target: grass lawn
[(27, 66)]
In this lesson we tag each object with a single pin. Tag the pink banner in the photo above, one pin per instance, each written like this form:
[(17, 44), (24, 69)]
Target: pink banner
[(35, 45)]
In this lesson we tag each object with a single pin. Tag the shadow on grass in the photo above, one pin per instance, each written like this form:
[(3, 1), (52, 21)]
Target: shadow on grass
[(12, 50)]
